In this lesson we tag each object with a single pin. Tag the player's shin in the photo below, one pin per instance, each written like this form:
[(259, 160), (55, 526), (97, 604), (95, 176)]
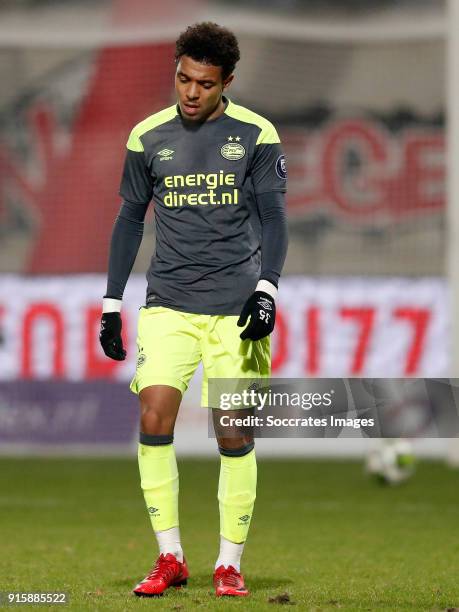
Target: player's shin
[(236, 496), (160, 486)]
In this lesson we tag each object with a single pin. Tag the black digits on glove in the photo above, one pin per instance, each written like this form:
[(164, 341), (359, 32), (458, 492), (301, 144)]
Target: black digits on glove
[(261, 309), (110, 336)]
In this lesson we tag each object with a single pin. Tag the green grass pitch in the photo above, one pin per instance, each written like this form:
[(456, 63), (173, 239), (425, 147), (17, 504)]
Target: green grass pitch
[(322, 533)]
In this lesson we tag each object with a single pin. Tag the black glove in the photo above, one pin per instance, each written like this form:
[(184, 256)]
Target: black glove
[(110, 336), (262, 311)]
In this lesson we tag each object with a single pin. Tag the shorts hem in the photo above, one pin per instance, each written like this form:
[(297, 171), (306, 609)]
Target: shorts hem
[(138, 385)]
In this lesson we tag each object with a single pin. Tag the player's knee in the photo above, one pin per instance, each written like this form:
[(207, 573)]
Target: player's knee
[(153, 422)]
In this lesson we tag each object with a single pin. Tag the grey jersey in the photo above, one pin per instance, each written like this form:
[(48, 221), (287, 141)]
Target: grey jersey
[(203, 181)]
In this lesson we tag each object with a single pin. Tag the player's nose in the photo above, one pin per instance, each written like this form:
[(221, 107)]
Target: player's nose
[(192, 92)]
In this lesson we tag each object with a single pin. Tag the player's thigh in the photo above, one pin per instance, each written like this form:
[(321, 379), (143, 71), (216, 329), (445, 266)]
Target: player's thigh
[(225, 355), (168, 349)]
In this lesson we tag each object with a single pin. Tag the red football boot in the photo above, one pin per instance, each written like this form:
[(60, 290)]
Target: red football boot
[(227, 581), (166, 572)]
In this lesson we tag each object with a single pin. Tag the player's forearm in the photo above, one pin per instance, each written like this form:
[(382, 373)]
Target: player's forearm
[(260, 308), (125, 243), (274, 237)]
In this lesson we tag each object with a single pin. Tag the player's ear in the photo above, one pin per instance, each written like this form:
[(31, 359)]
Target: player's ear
[(227, 82)]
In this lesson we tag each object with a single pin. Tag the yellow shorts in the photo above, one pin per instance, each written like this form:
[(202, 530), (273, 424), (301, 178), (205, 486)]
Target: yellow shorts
[(171, 344)]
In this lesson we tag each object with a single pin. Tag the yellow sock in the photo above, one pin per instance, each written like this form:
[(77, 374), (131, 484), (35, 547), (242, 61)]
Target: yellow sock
[(236, 495), (160, 484)]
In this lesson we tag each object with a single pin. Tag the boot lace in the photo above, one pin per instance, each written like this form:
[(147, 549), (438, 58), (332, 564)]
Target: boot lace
[(163, 568)]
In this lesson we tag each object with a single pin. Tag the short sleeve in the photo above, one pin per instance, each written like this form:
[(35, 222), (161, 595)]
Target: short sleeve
[(269, 171), (136, 181)]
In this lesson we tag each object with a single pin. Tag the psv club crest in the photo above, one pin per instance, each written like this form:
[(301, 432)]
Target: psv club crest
[(232, 151)]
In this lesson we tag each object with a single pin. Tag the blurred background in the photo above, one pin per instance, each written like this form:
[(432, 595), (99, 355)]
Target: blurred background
[(359, 93)]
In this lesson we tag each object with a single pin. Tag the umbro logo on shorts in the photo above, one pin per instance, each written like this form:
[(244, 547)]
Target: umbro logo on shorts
[(166, 154)]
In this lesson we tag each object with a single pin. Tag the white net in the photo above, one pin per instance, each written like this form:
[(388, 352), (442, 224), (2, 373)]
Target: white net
[(362, 119)]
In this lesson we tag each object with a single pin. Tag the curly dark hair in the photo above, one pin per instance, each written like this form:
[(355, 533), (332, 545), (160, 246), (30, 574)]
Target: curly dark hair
[(209, 43)]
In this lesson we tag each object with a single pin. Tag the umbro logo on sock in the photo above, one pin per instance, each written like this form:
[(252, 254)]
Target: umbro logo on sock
[(152, 510), (244, 519)]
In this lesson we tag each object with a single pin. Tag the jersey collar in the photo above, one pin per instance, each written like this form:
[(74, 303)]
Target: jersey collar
[(227, 103)]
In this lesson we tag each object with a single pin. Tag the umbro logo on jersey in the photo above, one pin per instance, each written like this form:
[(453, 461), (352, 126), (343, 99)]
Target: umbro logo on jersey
[(166, 154)]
